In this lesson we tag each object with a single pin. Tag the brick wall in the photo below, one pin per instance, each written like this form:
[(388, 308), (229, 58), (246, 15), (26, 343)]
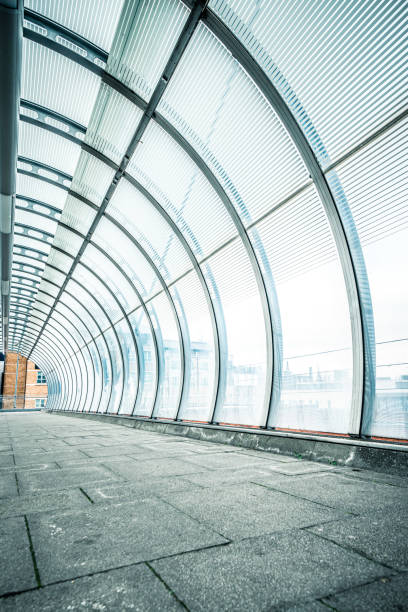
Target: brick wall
[(26, 383)]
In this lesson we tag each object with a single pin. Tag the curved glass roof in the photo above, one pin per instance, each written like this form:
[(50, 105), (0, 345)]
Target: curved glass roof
[(211, 211)]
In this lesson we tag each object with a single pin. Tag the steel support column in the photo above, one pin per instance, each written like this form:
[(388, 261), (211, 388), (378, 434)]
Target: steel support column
[(11, 37)]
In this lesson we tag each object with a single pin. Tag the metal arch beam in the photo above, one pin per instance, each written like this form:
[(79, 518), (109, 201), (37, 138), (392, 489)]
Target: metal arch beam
[(88, 313), (145, 255), (35, 171), (11, 36), (102, 309), (184, 38), (42, 123), (163, 285), (342, 226), (52, 120), (72, 312), (216, 317), (53, 210), (57, 357), (85, 289), (267, 294), (88, 54), (99, 328), (87, 344), (146, 312), (59, 348), (117, 301), (51, 324), (69, 322), (42, 256)]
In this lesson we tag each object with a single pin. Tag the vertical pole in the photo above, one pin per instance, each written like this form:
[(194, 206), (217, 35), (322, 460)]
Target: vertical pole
[(11, 36)]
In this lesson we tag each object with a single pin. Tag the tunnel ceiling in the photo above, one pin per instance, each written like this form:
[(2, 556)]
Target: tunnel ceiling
[(211, 213)]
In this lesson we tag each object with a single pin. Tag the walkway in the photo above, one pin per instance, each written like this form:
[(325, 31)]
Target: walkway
[(100, 517)]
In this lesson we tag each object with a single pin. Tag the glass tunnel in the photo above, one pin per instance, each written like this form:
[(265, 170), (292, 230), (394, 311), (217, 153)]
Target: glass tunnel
[(211, 219)]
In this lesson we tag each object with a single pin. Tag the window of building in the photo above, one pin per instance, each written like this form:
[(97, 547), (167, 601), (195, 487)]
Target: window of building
[(40, 403), (41, 380)]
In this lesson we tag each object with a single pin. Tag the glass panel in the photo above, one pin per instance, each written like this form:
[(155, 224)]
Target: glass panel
[(88, 300), (127, 255), (138, 55), (95, 405), (374, 183), (234, 117), (163, 168), (82, 314), (59, 260), (106, 374), (117, 374), (99, 291), (191, 304), (77, 214), (47, 148), (96, 260), (233, 285), (139, 217), (94, 20), (345, 76), (67, 241), (26, 217), (77, 87), (148, 363), (317, 358), (87, 359), (92, 178), (170, 358), (130, 372), (31, 187), (113, 123)]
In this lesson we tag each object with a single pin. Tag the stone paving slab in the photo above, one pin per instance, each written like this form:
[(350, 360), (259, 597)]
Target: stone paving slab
[(43, 502), (27, 458), (16, 567), (226, 476), (8, 485), (133, 588), (375, 537), (134, 469), (328, 538), (6, 460), (105, 537), (341, 491), (136, 491), (260, 573), (301, 467), (246, 510), (120, 449), (30, 467), (34, 481), (233, 460), (386, 594)]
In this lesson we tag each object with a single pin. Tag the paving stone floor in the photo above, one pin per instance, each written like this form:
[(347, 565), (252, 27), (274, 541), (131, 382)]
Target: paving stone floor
[(100, 517)]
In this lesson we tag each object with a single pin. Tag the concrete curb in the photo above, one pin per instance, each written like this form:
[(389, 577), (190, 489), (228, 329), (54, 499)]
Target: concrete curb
[(379, 456)]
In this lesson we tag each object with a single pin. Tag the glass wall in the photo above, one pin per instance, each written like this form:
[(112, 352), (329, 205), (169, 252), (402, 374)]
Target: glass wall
[(218, 235)]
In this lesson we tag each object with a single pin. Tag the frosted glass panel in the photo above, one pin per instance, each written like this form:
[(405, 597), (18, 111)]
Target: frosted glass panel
[(346, 74), (235, 288), (190, 302), (170, 358), (148, 363), (117, 370), (317, 361), (130, 368), (234, 117), (375, 185)]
